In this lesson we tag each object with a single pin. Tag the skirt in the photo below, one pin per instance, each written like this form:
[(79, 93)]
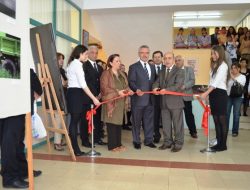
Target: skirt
[(218, 101), (75, 100)]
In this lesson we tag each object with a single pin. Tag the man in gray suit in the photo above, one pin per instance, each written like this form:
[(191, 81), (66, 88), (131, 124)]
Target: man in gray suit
[(187, 87), (171, 78), (141, 76)]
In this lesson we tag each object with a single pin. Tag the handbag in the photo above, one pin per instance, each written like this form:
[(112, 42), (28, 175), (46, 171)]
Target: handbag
[(236, 90)]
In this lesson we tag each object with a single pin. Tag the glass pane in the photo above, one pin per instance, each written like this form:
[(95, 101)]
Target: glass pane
[(65, 47), (41, 10), (68, 19)]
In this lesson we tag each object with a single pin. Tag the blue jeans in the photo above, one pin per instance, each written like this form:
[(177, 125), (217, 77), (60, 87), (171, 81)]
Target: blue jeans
[(236, 104)]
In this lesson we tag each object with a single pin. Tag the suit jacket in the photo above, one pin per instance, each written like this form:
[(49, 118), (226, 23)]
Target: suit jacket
[(214, 40), (158, 98), (189, 82), (138, 79), (92, 78), (173, 83)]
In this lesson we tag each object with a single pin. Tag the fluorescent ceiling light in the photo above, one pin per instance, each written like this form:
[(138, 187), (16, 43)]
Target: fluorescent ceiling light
[(209, 16), (186, 17)]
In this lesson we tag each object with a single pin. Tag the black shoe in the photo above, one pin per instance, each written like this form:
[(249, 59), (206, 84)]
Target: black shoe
[(137, 145), (215, 147), (220, 149), (175, 149), (36, 173), (86, 144), (245, 114), (126, 128), (100, 142), (80, 154), (164, 147), (17, 184), (194, 136), (156, 140), (151, 145)]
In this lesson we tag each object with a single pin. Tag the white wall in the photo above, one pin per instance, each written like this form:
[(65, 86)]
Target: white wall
[(15, 93), (122, 31)]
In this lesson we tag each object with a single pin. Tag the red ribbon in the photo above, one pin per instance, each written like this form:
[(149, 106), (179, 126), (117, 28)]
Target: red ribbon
[(165, 92), (89, 119)]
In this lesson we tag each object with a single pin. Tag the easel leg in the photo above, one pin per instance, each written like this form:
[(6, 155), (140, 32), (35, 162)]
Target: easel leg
[(29, 150)]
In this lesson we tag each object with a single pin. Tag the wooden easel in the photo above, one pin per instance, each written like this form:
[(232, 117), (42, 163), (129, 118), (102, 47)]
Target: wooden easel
[(47, 83)]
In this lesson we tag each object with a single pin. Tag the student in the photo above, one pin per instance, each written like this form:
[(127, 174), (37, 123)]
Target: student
[(76, 86)]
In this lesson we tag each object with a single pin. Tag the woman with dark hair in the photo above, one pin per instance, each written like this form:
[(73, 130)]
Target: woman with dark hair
[(231, 31), (218, 98), (245, 71), (113, 84), (76, 86), (235, 101), (245, 48)]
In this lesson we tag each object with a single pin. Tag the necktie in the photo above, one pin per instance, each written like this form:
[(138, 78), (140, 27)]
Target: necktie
[(146, 70), (158, 70), (167, 74), (95, 66)]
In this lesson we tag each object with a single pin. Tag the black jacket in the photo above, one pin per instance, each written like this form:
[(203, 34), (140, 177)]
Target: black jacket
[(35, 86), (92, 78)]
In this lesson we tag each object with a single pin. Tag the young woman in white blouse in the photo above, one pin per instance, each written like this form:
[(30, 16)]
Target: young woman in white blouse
[(76, 86), (235, 102), (218, 98)]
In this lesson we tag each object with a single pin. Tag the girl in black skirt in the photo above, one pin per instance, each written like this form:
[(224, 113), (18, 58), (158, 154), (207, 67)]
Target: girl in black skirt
[(76, 86), (217, 92)]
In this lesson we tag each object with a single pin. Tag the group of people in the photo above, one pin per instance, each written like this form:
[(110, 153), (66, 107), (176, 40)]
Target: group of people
[(236, 44), (149, 111), (89, 84)]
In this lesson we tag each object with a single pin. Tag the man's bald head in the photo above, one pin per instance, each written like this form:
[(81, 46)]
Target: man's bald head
[(168, 59), (179, 61)]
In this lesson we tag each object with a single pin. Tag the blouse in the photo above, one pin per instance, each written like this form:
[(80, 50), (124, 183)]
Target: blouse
[(75, 74), (219, 79)]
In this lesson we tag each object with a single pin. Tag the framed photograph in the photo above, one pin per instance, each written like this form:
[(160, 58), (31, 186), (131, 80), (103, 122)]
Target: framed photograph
[(85, 38), (10, 53), (8, 7)]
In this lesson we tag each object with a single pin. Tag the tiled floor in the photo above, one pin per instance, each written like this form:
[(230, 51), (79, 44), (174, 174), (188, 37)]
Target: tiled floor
[(149, 169)]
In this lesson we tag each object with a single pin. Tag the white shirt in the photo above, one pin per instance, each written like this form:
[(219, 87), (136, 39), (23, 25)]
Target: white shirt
[(75, 74), (156, 67), (170, 68), (148, 68), (240, 79), (93, 64), (219, 80)]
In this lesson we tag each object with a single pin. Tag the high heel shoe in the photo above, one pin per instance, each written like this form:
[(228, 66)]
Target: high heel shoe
[(58, 147)]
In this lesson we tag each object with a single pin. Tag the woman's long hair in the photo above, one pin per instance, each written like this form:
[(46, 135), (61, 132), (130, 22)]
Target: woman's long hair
[(76, 52), (222, 58)]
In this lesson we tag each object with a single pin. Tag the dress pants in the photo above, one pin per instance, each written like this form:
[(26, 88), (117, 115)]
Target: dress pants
[(189, 117), (143, 115), (13, 160), (114, 135), (157, 117), (173, 117)]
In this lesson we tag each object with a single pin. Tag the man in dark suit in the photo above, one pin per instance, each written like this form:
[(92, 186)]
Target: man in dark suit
[(214, 37), (93, 72), (141, 76), (171, 78), (157, 58), (187, 87)]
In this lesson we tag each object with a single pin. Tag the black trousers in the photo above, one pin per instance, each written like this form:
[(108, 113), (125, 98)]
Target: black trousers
[(157, 117), (84, 125), (189, 117), (73, 130), (114, 135), (13, 160)]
